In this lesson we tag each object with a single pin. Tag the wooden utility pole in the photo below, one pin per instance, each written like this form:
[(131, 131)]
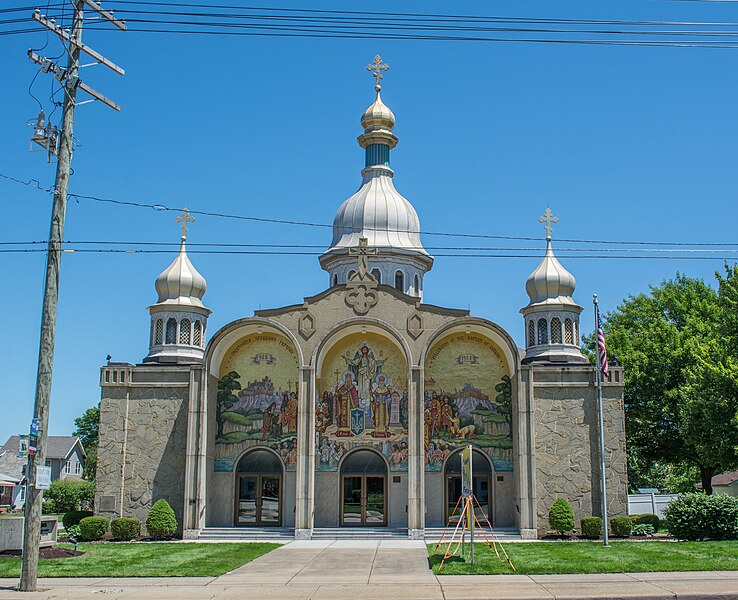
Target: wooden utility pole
[(69, 79)]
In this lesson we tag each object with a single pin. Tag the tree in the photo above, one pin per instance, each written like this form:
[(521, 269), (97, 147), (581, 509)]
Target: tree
[(681, 380), (87, 429), (226, 399), (504, 400)]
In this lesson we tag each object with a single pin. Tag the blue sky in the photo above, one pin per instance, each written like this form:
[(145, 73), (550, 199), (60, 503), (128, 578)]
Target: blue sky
[(622, 143)]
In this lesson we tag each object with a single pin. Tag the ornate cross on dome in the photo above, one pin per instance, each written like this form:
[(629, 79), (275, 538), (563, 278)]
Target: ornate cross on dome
[(362, 252), (377, 66), (185, 218), (548, 218)]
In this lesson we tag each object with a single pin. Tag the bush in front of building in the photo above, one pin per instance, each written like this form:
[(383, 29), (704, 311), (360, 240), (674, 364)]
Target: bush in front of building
[(643, 529), (646, 519), (125, 529), (621, 526), (699, 517), (48, 507), (561, 516), (69, 495), (73, 517), (161, 522), (74, 531), (92, 529), (592, 527)]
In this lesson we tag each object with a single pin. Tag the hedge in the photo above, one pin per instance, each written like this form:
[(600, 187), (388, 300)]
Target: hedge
[(592, 527), (561, 516), (161, 522), (621, 526), (646, 519), (73, 517), (125, 529), (93, 528), (700, 517)]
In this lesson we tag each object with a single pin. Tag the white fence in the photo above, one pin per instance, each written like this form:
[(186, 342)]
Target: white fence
[(649, 503)]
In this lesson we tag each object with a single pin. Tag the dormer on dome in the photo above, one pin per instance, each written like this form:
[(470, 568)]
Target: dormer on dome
[(179, 318), (551, 316), (378, 212)]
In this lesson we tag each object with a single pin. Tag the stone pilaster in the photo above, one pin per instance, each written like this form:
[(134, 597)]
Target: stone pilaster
[(304, 500), (524, 456), (415, 461)]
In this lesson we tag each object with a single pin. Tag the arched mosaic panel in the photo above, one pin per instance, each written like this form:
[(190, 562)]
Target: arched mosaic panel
[(257, 400), (468, 399), (362, 401)]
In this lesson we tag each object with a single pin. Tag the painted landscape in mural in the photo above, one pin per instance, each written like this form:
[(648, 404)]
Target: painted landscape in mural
[(468, 399), (257, 400), (362, 401)]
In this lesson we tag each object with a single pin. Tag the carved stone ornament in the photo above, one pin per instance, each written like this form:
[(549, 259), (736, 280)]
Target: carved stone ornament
[(306, 325), (361, 298), (415, 325)]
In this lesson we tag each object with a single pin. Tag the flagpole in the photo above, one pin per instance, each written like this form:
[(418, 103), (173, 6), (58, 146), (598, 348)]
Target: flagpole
[(601, 423)]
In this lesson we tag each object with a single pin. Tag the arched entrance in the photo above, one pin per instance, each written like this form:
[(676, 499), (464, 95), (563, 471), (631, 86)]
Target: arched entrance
[(481, 485), (363, 490), (259, 483)]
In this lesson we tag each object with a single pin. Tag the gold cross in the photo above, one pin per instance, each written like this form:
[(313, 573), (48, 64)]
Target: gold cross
[(548, 218), (185, 218), (377, 66), (363, 251)]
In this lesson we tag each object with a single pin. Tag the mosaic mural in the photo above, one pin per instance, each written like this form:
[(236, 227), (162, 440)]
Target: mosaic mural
[(362, 401), (257, 400), (468, 399)]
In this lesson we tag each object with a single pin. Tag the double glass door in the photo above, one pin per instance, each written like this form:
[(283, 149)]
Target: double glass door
[(259, 500), (363, 501), (481, 487)]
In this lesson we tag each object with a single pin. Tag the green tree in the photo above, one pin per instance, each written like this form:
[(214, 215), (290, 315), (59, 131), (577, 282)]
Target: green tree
[(226, 398), (87, 429), (504, 400), (680, 378)]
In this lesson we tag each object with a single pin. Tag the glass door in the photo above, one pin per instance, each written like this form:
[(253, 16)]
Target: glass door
[(481, 487), (259, 500), (363, 501)]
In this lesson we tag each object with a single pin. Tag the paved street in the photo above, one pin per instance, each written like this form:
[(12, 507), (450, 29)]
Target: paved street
[(379, 570)]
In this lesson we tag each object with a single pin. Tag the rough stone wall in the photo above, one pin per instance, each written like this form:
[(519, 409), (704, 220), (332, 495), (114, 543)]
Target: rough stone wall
[(567, 460), (150, 442)]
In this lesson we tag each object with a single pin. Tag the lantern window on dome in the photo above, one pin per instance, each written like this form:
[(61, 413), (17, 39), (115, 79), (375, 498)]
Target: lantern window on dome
[(184, 332), (377, 274), (197, 334), (159, 333), (568, 332), (542, 332), (171, 331), (531, 333), (400, 281), (555, 330)]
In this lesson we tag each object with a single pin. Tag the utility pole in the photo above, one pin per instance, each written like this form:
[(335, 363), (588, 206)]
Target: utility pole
[(69, 79)]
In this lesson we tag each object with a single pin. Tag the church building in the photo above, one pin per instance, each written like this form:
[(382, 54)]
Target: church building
[(350, 408)]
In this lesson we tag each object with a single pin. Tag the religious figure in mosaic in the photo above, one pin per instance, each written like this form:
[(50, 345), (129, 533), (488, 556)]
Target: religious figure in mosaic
[(365, 368), (348, 399)]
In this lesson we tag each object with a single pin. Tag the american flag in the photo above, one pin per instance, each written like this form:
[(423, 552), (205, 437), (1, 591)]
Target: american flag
[(601, 347)]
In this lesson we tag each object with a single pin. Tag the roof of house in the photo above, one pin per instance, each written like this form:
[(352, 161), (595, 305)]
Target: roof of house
[(7, 478), (725, 478), (57, 447)]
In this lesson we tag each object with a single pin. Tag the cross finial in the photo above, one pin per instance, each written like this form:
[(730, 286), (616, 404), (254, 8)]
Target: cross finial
[(185, 218), (548, 218), (377, 66), (362, 252)]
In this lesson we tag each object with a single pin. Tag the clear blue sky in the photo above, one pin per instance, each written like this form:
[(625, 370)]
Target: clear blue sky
[(622, 143)]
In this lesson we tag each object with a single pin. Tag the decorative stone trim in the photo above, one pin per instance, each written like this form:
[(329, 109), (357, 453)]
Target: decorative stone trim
[(415, 325), (361, 298), (306, 325)]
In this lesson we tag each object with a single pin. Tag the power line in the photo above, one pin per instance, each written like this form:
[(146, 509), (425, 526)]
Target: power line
[(163, 208)]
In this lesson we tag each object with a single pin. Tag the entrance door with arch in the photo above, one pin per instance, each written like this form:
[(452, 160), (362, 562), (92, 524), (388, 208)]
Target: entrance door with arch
[(259, 494), (481, 486), (363, 490)]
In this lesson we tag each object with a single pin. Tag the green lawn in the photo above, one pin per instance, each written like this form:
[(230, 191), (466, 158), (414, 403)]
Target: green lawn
[(536, 558), (144, 559)]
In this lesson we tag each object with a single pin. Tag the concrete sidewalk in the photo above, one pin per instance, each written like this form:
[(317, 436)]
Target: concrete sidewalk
[(379, 570)]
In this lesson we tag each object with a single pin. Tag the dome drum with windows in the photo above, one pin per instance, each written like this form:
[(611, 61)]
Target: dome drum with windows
[(551, 316), (179, 318)]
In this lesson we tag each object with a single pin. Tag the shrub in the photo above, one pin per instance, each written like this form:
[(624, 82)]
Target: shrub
[(73, 517), (161, 521), (621, 526), (698, 517), (592, 527), (643, 529), (92, 529), (70, 495), (561, 516), (48, 507), (646, 519), (125, 529), (74, 531)]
